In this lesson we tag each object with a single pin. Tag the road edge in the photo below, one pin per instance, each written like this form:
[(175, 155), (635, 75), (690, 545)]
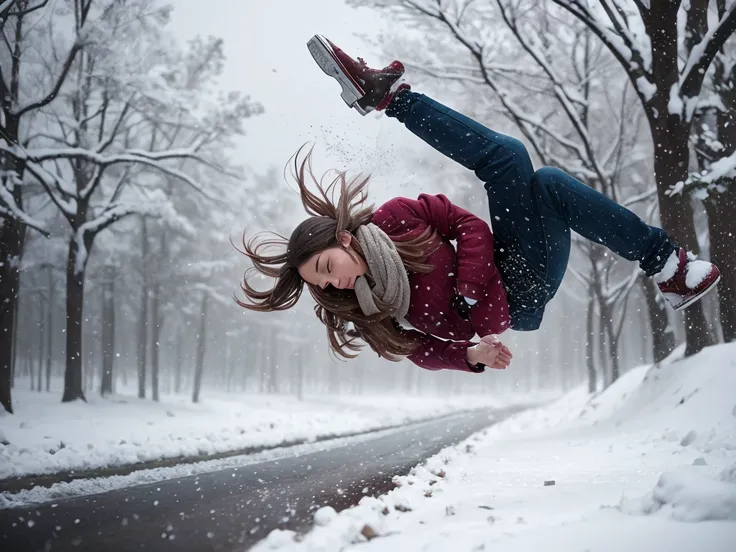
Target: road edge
[(17, 484)]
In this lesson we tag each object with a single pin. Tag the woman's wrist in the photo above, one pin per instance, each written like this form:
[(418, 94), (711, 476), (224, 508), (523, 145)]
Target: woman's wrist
[(471, 354)]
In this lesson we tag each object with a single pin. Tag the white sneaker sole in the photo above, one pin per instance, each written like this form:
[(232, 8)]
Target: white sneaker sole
[(324, 56), (699, 296)]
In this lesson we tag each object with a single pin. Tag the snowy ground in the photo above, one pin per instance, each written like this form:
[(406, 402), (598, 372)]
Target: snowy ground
[(648, 465), (45, 436)]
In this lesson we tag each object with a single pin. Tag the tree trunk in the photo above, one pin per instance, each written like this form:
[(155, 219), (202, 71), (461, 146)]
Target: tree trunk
[(261, 357), (108, 331), (12, 239), (721, 209), (49, 328), (300, 373), (143, 323), (179, 360), (155, 339), (228, 366), (273, 366), (613, 350), (670, 166), (42, 329), (663, 338), (201, 343), (30, 367), (157, 318), (76, 262)]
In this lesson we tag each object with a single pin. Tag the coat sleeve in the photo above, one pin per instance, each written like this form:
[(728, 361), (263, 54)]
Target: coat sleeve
[(473, 237), (434, 353)]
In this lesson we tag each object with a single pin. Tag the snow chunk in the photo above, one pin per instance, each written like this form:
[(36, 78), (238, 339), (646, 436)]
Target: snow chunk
[(669, 269), (687, 495), (325, 515), (675, 103), (647, 88), (696, 273)]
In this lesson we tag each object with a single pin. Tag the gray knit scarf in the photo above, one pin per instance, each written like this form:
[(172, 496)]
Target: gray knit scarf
[(387, 271)]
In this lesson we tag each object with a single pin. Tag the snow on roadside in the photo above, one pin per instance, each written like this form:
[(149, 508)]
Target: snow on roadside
[(45, 436), (96, 485), (649, 464)]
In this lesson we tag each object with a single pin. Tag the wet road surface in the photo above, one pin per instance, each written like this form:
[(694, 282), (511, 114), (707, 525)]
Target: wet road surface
[(231, 509)]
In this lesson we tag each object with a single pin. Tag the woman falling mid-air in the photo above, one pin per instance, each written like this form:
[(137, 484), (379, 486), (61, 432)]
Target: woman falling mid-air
[(391, 276)]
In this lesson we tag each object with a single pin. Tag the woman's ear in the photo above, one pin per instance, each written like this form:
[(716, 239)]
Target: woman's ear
[(345, 238)]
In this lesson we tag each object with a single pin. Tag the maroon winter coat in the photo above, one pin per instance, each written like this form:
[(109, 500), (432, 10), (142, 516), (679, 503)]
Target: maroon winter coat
[(466, 269)]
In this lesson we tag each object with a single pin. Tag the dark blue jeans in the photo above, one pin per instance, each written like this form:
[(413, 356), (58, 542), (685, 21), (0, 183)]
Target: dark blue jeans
[(532, 212)]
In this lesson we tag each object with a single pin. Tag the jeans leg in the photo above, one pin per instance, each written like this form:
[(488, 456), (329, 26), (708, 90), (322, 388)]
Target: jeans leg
[(491, 155), (503, 164), (567, 203)]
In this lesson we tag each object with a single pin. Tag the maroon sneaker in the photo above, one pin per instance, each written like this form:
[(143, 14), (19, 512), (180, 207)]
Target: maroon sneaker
[(684, 279), (363, 88)]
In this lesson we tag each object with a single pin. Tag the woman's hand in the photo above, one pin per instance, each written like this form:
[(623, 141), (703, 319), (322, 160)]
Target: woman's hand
[(491, 352)]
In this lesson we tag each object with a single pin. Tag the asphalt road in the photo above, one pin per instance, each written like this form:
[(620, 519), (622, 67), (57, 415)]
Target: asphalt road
[(231, 509)]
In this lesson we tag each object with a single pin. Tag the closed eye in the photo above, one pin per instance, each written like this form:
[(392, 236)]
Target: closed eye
[(329, 266)]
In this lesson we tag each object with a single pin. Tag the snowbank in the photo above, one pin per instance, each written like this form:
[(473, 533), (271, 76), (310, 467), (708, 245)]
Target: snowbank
[(649, 464), (45, 436)]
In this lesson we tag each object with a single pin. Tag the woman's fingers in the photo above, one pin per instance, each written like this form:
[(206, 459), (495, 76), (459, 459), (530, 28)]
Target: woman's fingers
[(501, 361), (503, 358), (494, 341)]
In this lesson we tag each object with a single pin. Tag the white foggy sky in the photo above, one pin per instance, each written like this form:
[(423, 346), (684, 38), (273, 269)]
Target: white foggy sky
[(267, 58)]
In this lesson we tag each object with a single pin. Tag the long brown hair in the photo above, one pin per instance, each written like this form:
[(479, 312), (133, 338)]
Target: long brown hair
[(335, 307)]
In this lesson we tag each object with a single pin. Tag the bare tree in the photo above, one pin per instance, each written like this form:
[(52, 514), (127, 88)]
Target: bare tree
[(91, 161), (666, 66), (714, 141), (17, 105)]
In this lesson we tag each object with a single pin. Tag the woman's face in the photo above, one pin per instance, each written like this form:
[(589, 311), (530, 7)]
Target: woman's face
[(337, 266)]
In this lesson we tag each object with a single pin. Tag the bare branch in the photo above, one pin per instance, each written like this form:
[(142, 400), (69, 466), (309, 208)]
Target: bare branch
[(76, 47), (119, 187), (116, 127), (29, 10), (579, 276), (564, 98), (629, 57), (93, 183), (651, 193)]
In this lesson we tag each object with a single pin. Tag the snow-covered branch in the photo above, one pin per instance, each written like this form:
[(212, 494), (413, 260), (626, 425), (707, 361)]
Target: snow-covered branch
[(724, 168), (5, 7), (213, 294), (702, 54), (51, 183), (109, 215), (10, 209), (643, 9), (137, 156)]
